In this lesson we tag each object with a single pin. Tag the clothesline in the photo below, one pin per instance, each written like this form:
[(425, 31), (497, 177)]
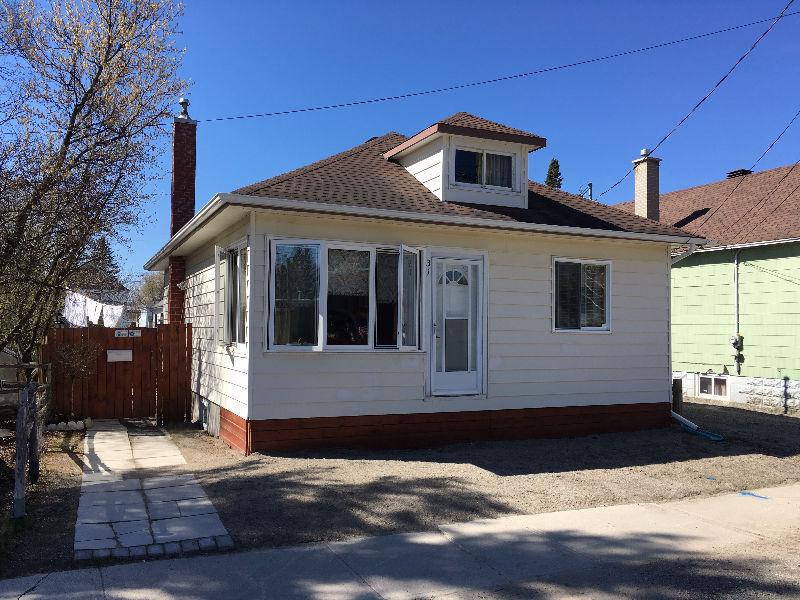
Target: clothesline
[(80, 311)]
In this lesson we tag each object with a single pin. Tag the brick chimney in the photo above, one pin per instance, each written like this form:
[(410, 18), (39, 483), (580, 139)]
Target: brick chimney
[(184, 160), (645, 185)]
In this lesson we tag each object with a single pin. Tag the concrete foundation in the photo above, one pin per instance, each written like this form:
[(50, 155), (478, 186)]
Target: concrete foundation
[(758, 393)]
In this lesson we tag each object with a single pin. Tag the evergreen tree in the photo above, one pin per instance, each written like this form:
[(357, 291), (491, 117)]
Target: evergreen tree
[(554, 178)]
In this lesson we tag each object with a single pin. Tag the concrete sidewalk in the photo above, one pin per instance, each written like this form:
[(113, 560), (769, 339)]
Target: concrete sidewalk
[(743, 545)]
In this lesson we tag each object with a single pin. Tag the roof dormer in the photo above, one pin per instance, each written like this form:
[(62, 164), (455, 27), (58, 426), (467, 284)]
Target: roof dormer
[(465, 158)]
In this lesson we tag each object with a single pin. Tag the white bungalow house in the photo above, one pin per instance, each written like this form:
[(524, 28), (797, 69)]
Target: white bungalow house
[(418, 290)]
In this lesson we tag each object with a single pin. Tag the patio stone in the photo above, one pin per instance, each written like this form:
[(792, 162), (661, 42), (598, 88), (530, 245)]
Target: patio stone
[(224, 542), (131, 527), (188, 528), (83, 554), (92, 531), (180, 492), (159, 463), (195, 506), (95, 544), (207, 544), (168, 481), (120, 553), (113, 485), (171, 548), (111, 498), (111, 514), (189, 546), (155, 550), (136, 538), (138, 551), (102, 553), (163, 510)]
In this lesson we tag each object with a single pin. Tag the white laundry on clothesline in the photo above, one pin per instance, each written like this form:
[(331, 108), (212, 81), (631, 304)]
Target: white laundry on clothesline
[(80, 311)]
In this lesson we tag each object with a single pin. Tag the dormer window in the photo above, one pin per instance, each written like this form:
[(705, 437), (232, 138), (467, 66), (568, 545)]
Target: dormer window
[(486, 169)]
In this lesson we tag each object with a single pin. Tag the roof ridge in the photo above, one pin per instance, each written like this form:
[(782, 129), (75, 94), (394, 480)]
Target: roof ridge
[(323, 162)]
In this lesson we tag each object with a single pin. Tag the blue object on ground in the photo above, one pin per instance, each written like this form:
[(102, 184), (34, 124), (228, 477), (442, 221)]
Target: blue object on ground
[(714, 437), (711, 478), (754, 495)]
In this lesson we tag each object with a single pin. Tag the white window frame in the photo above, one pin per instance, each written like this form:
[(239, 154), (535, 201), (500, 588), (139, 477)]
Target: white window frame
[(714, 376), (606, 328), (322, 322), (223, 253), (483, 185)]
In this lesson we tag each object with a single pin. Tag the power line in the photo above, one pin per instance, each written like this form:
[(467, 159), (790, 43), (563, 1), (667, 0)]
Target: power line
[(708, 95), (741, 180), (512, 77)]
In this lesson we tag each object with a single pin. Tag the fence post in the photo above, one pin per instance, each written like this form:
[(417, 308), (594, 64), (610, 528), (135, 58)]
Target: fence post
[(34, 434), (22, 446)]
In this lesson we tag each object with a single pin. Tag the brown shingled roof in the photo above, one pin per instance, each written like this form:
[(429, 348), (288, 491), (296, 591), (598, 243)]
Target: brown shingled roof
[(362, 177), (465, 119), (761, 208), (463, 123)]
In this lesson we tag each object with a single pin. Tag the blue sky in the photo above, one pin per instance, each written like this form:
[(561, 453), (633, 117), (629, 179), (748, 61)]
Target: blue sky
[(252, 57)]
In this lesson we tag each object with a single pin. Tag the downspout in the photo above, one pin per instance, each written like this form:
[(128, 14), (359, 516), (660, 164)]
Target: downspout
[(736, 286), (737, 355)]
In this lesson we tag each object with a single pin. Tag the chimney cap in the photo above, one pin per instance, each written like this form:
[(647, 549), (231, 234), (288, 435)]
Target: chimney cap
[(184, 103), (645, 152)]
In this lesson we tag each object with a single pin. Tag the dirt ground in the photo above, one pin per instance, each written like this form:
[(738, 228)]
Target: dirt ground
[(276, 500), (42, 540)]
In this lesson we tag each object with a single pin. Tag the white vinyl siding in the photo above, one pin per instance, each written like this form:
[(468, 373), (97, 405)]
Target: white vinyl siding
[(528, 365), (219, 373)]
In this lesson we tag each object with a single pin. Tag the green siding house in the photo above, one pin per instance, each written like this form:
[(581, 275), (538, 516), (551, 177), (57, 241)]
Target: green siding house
[(735, 312)]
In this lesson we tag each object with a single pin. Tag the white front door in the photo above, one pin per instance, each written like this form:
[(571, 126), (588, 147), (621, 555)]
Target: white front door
[(457, 336)]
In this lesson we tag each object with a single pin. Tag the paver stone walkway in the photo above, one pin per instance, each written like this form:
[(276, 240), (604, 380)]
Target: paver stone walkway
[(137, 500)]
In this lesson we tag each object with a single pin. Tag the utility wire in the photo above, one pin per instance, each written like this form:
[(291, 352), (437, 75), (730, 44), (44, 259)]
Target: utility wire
[(517, 75), (708, 95), (741, 180)]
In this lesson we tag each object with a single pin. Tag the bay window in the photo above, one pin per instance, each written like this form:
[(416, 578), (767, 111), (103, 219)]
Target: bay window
[(581, 294), (327, 295)]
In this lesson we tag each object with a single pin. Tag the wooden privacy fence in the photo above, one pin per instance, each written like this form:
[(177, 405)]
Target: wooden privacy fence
[(132, 373)]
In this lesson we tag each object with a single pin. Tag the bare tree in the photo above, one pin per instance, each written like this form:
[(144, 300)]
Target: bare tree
[(85, 91), (147, 292)]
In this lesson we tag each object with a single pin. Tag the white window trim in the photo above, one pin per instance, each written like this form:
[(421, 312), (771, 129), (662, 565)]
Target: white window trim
[(606, 329), (714, 376), (322, 333), (239, 245), (482, 186)]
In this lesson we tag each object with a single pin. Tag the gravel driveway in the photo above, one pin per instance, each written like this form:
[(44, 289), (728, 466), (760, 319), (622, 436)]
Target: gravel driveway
[(277, 500)]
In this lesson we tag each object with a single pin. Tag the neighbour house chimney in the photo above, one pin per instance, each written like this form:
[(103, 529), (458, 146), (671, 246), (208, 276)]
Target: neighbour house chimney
[(184, 143), (645, 184), (738, 173)]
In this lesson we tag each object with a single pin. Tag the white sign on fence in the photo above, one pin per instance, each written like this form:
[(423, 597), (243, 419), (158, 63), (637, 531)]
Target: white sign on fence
[(128, 333), (119, 355)]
